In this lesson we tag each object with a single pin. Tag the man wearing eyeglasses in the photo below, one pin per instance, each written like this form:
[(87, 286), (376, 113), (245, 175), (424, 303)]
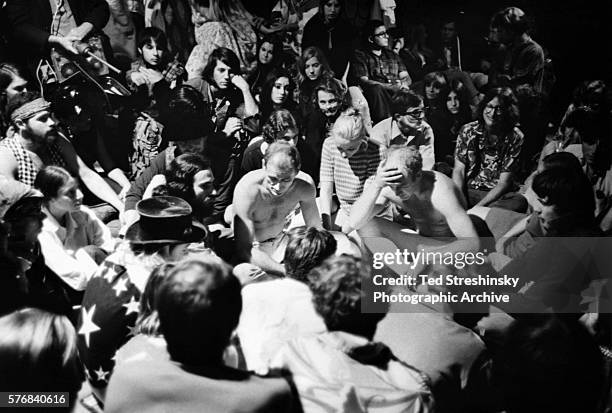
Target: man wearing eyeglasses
[(378, 70), (407, 127)]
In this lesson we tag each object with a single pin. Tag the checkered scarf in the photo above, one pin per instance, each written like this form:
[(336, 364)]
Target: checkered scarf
[(26, 170)]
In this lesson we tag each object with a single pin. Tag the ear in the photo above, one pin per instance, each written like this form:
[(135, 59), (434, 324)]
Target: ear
[(20, 124)]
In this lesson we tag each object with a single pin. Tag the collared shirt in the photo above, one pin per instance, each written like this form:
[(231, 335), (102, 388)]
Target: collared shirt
[(485, 163), (387, 133), (384, 68), (349, 174), (60, 245)]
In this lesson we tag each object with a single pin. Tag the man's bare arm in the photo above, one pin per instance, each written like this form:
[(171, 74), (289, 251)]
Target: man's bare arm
[(244, 230), (90, 178), (444, 199), (308, 204), (374, 197), (8, 164)]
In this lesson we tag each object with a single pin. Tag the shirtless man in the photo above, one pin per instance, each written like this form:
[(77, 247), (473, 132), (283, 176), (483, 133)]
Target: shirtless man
[(429, 197), (262, 201)]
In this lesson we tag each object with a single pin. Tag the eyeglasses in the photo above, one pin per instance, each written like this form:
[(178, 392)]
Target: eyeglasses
[(415, 114), (383, 34)]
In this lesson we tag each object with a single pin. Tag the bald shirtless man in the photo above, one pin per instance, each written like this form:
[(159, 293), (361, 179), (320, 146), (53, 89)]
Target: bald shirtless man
[(263, 199), (429, 197)]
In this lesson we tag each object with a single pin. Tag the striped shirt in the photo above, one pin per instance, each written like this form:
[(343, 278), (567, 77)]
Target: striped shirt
[(349, 174)]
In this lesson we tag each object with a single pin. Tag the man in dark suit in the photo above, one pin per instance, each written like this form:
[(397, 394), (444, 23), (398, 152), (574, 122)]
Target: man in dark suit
[(36, 26)]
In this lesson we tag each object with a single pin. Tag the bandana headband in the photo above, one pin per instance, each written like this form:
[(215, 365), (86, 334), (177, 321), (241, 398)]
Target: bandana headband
[(30, 109)]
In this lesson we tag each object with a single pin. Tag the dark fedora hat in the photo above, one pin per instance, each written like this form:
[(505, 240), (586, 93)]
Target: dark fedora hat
[(164, 220)]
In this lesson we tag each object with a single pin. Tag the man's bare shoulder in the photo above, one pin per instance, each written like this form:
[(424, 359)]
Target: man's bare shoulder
[(8, 163), (303, 181), (250, 182), (444, 189)]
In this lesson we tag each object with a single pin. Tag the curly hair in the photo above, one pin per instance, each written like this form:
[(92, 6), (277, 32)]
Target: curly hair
[(349, 126), (337, 294), (278, 123), (508, 104), (307, 248)]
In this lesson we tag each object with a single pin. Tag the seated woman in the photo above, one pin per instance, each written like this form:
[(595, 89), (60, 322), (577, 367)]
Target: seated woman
[(223, 23), (487, 153), (455, 113), (280, 125), (269, 53), (313, 70), (277, 93), (12, 83), (73, 240)]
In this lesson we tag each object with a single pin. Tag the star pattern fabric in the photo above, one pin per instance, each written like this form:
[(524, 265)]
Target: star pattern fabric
[(110, 308)]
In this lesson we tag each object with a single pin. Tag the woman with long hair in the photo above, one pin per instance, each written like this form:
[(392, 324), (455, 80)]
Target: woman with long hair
[(312, 69), (73, 240), (224, 23), (269, 53), (12, 83), (453, 113), (277, 93)]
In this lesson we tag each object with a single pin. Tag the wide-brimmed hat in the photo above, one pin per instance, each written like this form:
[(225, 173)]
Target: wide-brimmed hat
[(164, 220)]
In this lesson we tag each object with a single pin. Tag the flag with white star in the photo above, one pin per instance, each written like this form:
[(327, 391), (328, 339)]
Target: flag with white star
[(109, 310)]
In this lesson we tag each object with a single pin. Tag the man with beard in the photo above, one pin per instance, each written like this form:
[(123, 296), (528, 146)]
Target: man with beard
[(38, 143), (187, 124), (263, 200), (329, 100), (407, 127)]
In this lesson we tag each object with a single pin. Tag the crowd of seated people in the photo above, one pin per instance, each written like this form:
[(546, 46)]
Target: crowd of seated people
[(201, 228)]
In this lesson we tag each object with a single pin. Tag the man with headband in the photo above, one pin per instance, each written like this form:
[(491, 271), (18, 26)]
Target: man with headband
[(37, 143)]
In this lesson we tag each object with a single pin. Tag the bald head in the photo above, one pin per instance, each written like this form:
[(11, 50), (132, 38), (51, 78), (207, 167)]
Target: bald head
[(283, 156)]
